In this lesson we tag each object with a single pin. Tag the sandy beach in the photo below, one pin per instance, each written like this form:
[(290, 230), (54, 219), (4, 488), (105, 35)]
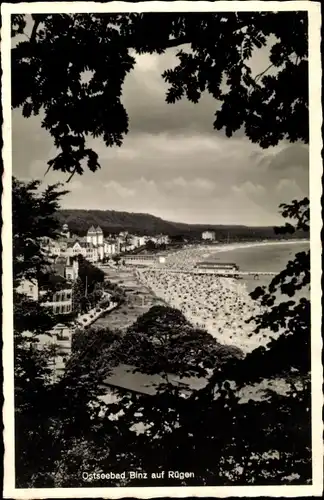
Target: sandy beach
[(220, 305)]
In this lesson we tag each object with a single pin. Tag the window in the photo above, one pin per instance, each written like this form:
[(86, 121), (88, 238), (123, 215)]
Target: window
[(31, 288), (68, 308), (68, 296), (56, 309)]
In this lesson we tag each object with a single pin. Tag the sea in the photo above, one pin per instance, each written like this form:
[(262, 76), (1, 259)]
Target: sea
[(271, 257)]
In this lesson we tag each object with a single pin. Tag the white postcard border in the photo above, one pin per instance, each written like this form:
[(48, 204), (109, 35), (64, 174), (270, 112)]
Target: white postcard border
[(315, 145)]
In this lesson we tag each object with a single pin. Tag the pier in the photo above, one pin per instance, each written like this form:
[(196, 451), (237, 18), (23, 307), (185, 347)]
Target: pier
[(217, 272)]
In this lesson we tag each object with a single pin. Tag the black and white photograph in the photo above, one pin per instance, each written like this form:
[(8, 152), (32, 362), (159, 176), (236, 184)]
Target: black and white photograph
[(162, 249)]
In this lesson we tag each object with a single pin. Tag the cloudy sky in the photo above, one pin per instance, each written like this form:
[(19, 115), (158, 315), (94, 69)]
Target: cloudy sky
[(172, 163)]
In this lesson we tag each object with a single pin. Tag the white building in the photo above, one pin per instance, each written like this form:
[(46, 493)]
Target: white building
[(28, 288), (150, 238), (57, 287), (72, 270), (65, 231), (139, 260), (124, 242), (51, 247), (63, 268), (95, 236), (59, 341), (137, 241), (110, 247), (93, 247), (208, 236), (144, 260), (162, 239), (75, 249), (89, 251), (66, 268), (60, 301)]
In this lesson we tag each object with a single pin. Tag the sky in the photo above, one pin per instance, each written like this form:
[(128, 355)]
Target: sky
[(172, 163)]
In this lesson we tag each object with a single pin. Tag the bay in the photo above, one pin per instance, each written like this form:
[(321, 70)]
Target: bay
[(271, 257)]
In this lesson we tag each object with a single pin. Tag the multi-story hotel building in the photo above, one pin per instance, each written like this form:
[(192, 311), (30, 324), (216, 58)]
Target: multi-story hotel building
[(208, 236)]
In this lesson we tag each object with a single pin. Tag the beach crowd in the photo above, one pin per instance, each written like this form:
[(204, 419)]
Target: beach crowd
[(220, 305)]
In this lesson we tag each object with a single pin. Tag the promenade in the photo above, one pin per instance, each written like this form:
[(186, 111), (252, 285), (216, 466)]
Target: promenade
[(94, 314)]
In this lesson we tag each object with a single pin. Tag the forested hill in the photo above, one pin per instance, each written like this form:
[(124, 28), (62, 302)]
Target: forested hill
[(112, 221)]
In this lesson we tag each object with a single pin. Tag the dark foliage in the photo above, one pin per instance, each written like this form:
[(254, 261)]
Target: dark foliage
[(33, 217), (163, 342), (63, 47), (89, 274)]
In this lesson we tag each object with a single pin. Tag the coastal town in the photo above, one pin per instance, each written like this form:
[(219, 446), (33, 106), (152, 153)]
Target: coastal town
[(209, 293), (57, 289)]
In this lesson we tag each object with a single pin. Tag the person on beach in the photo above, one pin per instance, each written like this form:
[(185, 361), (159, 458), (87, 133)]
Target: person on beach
[(221, 305)]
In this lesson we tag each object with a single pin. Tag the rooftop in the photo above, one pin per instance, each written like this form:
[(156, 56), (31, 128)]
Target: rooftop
[(95, 230), (50, 280), (83, 244), (124, 377)]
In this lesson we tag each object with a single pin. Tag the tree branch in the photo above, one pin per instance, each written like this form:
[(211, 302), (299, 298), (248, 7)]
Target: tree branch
[(263, 72), (184, 39), (177, 41), (169, 43), (72, 174), (34, 30)]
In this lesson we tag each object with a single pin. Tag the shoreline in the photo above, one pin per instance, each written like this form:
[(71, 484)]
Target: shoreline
[(219, 305), (238, 246)]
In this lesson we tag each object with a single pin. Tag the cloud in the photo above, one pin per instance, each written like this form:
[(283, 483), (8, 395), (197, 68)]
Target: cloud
[(76, 185), (292, 156), (172, 163), (176, 183), (121, 191), (195, 186), (204, 184), (289, 187), (249, 189)]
